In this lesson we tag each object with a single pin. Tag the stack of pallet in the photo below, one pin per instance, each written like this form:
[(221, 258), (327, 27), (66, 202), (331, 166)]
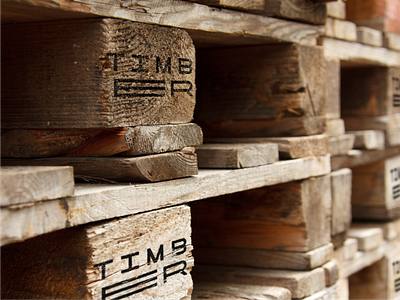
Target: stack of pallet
[(109, 88)]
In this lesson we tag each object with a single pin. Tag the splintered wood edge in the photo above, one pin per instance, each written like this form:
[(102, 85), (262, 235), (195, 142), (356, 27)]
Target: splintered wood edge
[(95, 202)]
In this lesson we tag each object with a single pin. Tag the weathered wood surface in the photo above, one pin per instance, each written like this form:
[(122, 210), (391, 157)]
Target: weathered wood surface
[(378, 281), (147, 168), (236, 156), (356, 54), (206, 25), (368, 139), (341, 182), (347, 251), (392, 137), (376, 186), (94, 202), (381, 15), (368, 238), (391, 41), (300, 283), (332, 89), (355, 158), (146, 255), (265, 128), (267, 259), (303, 10), (335, 127), (336, 9), (165, 138), (340, 145), (140, 140), (268, 82), (332, 292), (289, 147), (341, 29), (228, 291), (331, 272), (387, 122), (288, 217), (391, 229), (370, 91), (30, 184), (125, 74), (369, 36)]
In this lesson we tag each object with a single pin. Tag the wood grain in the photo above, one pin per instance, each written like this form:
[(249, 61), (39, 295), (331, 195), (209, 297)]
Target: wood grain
[(146, 255), (125, 74), (368, 139), (341, 145), (95, 202), (341, 30), (236, 156), (30, 184), (148, 168), (369, 36)]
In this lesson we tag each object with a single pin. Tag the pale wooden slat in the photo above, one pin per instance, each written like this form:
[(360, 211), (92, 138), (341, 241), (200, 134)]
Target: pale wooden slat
[(369, 36), (30, 184), (236, 156), (368, 238), (368, 139), (341, 29), (340, 145), (94, 202)]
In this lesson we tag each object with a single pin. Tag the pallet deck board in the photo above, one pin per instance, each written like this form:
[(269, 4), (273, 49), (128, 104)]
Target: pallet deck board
[(94, 202)]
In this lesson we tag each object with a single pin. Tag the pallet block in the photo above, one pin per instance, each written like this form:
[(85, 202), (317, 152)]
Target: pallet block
[(304, 10), (381, 280), (341, 201), (340, 145), (332, 89), (367, 238), (369, 36), (370, 91), (335, 127), (380, 15), (368, 139), (341, 29), (287, 217), (300, 283), (391, 229), (391, 41), (273, 90), (376, 190), (114, 73), (336, 9), (146, 255), (225, 291), (30, 184)]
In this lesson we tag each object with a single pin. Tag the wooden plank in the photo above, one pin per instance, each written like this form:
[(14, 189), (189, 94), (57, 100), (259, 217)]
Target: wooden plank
[(225, 291), (146, 255), (300, 283), (391, 229), (370, 91), (391, 41), (30, 184), (341, 29), (368, 139), (236, 156), (335, 127), (148, 168), (347, 251), (383, 16), (376, 186), (331, 273), (303, 11), (341, 145), (269, 82), (378, 281), (332, 292), (341, 201), (264, 128), (336, 9), (338, 239), (387, 122), (289, 217), (355, 158), (94, 202), (140, 140), (369, 36), (241, 257), (206, 25), (144, 76), (289, 147), (332, 89), (368, 238), (355, 54)]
